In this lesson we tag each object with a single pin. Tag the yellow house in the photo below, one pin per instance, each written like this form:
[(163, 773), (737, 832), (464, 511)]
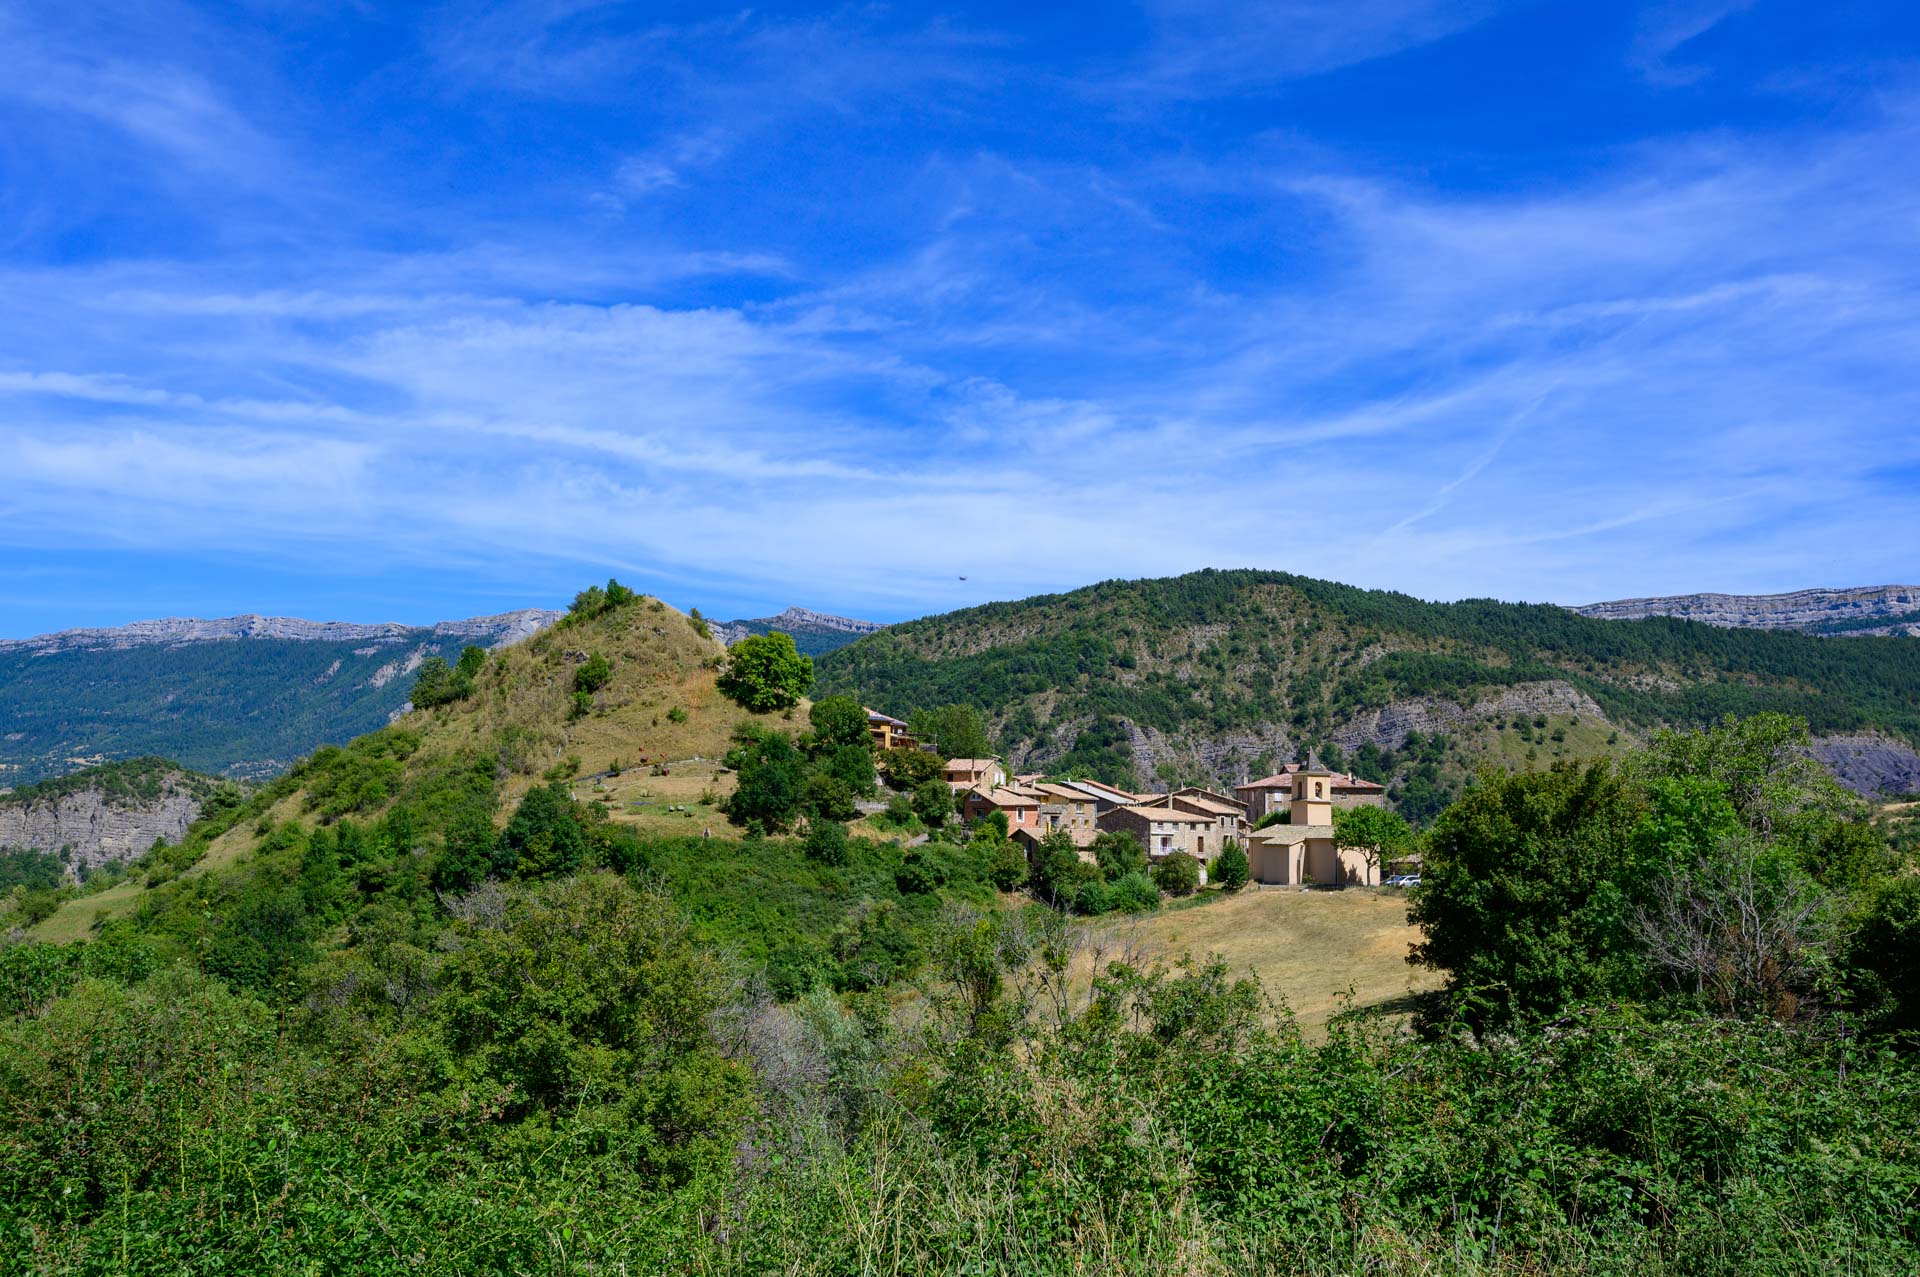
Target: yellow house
[(1303, 852)]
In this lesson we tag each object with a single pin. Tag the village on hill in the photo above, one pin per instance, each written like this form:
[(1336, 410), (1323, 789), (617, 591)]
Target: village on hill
[(1284, 822)]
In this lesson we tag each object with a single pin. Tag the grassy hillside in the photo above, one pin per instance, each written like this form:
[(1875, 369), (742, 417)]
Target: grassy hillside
[(1218, 673), (639, 755)]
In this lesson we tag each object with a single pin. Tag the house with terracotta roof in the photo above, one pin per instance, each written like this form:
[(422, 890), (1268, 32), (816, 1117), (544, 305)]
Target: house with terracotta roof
[(1229, 817), (1274, 793), (1303, 852), (1163, 829), (969, 773), (1022, 809), (1064, 807)]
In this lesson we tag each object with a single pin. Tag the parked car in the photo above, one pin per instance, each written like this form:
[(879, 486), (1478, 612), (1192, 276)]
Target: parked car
[(1404, 880)]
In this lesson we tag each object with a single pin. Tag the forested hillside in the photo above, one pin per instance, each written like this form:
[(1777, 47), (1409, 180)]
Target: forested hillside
[(239, 700), (1216, 674)]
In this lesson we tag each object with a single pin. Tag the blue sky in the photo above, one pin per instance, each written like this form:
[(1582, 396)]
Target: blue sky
[(372, 312)]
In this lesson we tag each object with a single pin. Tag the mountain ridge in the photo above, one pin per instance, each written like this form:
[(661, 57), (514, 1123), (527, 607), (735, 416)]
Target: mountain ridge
[(813, 632), (499, 629), (1842, 611)]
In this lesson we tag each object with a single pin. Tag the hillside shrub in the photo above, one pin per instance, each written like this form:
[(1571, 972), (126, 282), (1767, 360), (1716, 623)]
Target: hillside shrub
[(1231, 869), (826, 841), (593, 674), (1177, 874), (1007, 865)]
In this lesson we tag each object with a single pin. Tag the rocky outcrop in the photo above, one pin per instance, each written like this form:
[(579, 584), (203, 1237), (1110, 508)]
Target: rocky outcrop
[(802, 624), (1388, 726), (96, 831), (1871, 764), (1799, 610), (489, 631)]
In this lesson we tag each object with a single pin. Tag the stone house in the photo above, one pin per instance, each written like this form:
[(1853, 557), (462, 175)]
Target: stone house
[(1162, 829), (971, 773)]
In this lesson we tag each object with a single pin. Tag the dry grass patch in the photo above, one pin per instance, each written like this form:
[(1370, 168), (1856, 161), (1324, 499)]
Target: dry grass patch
[(1308, 948)]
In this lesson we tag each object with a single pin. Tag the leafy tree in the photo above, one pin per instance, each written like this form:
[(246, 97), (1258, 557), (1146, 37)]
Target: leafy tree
[(595, 994), (765, 673), (828, 798), (1884, 954), (593, 675), (473, 659), (1178, 874), (908, 769), (956, 731), (467, 853), (1524, 894), (1231, 869), (1118, 854), (933, 803), (826, 841), (1057, 871), (918, 874), (838, 721), (772, 783), (852, 766), (435, 684), (1007, 865), (1379, 835), (544, 837)]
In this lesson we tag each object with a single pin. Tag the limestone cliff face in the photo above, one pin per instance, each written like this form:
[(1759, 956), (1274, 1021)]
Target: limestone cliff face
[(99, 832), (1799, 610)]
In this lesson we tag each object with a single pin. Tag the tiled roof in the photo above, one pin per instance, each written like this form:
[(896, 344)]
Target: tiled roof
[(1168, 814), (1287, 835), (1210, 804), (972, 764), (1007, 798)]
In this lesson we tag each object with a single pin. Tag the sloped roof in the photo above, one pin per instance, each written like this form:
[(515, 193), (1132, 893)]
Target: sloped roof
[(875, 716), (1007, 798), (972, 764), (1288, 835), (1151, 812), (1209, 804)]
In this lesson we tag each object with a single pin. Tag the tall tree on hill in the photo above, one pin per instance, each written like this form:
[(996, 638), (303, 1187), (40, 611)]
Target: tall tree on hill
[(838, 721), (765, 673), (957, 731)]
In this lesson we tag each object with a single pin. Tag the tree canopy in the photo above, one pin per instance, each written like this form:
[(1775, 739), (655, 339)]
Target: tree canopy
[(765, 673)]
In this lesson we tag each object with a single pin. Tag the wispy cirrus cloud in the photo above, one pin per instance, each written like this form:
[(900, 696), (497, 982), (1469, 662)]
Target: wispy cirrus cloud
[(889, 303)]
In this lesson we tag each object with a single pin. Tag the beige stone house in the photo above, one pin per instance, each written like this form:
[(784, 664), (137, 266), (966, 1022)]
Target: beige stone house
[(1303, 852), (1163, 829), (969, 773), (1064, 807), (1229, 818)]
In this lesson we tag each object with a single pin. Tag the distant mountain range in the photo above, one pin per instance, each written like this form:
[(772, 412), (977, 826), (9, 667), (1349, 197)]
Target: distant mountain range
[(1865, 610), (813, 632), (240, 696)]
